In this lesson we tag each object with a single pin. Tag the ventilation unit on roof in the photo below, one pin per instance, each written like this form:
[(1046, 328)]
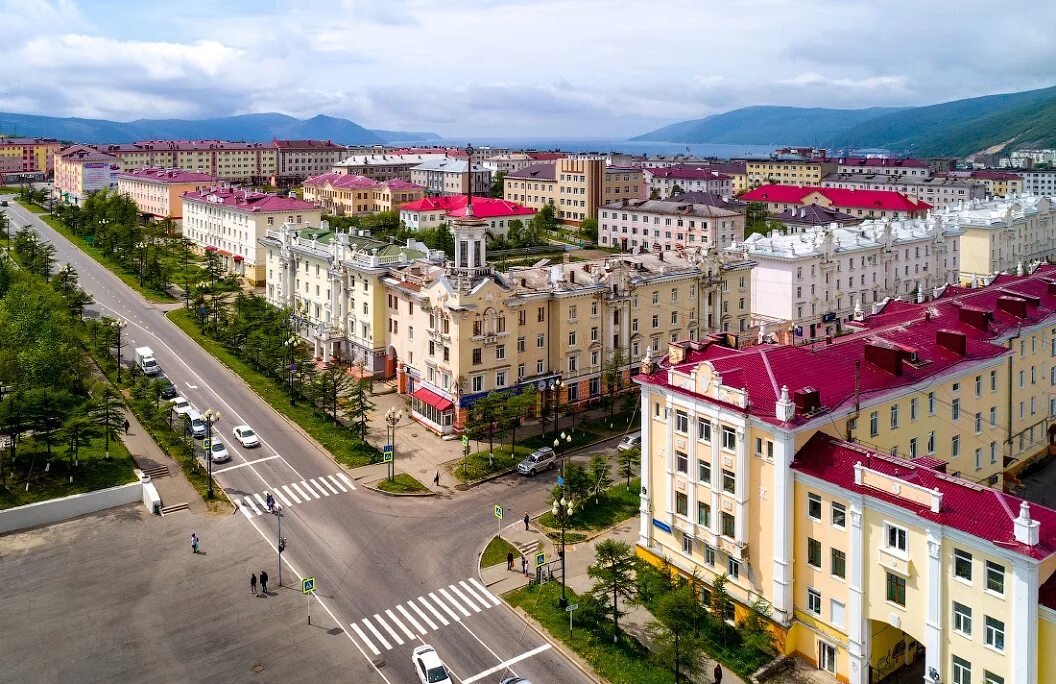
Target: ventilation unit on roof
[(808, 401)]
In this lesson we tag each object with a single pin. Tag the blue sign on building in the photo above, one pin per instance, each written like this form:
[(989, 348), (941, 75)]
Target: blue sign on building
[(662, 525)]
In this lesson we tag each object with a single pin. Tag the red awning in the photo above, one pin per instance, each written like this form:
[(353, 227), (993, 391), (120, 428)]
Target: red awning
[(433, 399)]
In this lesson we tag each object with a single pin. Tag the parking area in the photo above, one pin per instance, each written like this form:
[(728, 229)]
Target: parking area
[(119, 597)]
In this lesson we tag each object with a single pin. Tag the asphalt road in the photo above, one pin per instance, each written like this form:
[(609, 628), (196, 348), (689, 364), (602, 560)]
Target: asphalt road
[(392, 573)]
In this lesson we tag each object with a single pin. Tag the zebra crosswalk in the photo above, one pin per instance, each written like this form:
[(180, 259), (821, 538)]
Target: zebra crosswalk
[(429, 612), (296, 493)]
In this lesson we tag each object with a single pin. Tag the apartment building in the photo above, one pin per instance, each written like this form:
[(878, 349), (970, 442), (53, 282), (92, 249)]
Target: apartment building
[(300, 159), (1038, 181), (238, 162), (574, 187), (447, 176), (1003, 234), (230, 223), (883, 166), (158, 193), (820, 278), (384, 165), (515, 161), (998, 183), (804, 219), (788, 171), (81, 170), (345, 195), (672, 180), (838, 484), (861, 203), (27, 159), (938, 191), (665, 225), (429, 212)]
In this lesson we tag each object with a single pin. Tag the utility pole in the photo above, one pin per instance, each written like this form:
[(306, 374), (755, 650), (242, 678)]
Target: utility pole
[(281, 545)]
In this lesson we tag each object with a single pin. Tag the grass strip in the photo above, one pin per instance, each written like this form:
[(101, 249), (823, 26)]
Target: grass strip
[(479, 465), (495, 552), (402, 483)]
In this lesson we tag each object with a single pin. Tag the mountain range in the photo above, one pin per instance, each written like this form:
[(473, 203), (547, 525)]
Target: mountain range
[(957, 128), (246, 127)]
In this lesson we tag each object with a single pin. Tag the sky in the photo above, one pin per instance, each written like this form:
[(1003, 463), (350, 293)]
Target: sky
[(511, 68)]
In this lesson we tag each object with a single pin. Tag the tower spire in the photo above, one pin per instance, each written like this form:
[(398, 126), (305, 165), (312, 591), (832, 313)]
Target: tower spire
[(469, 179)]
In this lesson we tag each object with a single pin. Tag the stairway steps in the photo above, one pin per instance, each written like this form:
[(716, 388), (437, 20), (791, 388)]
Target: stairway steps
[(174, 508)]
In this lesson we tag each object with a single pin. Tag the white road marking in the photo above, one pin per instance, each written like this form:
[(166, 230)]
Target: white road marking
[(243, 465), (432, 610), (484, 590), (289, 493), (245, 509), (461, 608), (319, 487), (263, 502), (301, 492), (392, 616), (446, 609), (336, 482), (248, 501), (330, 486), (390, 630), (471, 592), (432, 625), (376, 633), (347, 481), (363, 637), (282, 497), (464, 598), (505, 664), (410, 619)]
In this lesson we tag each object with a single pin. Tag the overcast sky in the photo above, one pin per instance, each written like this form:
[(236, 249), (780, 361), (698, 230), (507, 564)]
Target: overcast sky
[(513, 68)]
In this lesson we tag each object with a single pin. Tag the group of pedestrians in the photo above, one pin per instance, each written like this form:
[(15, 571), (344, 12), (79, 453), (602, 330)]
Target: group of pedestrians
[(263, 584), (509, 562)]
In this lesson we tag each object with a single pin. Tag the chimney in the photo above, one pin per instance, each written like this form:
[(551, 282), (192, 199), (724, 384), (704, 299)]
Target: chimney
[(1016, 306), (807, 400), (661, 255), (1027, 531), (976, 318), (1051, 284), (572, 276), (884, 357), (952, 340), (784, 409)]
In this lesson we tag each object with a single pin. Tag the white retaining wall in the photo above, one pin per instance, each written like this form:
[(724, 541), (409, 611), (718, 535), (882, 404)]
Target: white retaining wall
[(54, 510)]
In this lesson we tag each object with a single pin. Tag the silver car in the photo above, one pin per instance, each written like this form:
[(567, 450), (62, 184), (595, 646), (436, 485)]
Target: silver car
[(537, 461)]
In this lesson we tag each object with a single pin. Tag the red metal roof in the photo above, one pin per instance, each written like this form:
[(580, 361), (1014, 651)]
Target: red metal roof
[(307, 145), (455, 205), (169, 175), (980, 511), (433, 399), (856, 199), (908, 162), (248, 200), (688, 172)]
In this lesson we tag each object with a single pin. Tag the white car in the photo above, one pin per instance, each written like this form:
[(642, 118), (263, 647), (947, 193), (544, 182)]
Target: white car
[(246, 437), (180, 405), (631, 441), (430, 668), (218, 452)]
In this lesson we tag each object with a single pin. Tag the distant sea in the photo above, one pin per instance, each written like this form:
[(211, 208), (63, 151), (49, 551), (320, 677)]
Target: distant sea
[(721, 151)]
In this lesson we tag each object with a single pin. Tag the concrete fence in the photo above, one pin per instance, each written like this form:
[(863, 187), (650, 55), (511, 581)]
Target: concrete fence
[(55, 510)]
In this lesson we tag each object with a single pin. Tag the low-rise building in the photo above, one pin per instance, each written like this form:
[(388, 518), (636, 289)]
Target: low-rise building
[(870, 204), (820, 278), (81, 170), (429, 212), (788, 171), (230, 222), (515, 161), (384, 165), (938, 191), (883, 166), (665, 225), (446, 176), (158, 193), (238, 162), (1003, 234), (805, 219), (673, 180), (575, 188), (344, 195), (300, 159), (998, 183)]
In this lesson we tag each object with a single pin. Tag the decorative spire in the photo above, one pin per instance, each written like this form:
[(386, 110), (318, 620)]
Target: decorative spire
[(469, 180)]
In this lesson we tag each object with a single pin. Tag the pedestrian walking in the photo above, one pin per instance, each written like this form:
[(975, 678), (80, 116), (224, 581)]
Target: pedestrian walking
[(127, 425), (194, 542), (436, 479), (509, 560), (526, 520), (264, 582), (718, 673), (524, 565), (253, 584)]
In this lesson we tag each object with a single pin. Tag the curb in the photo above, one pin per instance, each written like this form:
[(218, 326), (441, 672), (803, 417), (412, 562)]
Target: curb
[(397, 494)]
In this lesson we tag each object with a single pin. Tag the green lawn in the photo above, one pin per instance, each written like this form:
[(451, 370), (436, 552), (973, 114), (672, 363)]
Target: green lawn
[(580, 437), (495, 553), (618, 504), (337, 439), (478, 466), (402, 483), (94, 472), (626, 662)]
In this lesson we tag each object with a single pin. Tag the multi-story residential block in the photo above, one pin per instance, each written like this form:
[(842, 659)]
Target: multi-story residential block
[(81, 170), (863, 203), (673, 180), (938, 191), (1002, 235), (844, 485), (664, 225), (788, 171), (158, 193), (430, 212), (384, 165), (816, 280), (804, 219), (1038, 181), (27, 159), (240, 162), (299, 159), (1025, 159), (883, 166), (446, 176), (575, 188), (998, 183), (230, 222), (515, 161), (342, 194)]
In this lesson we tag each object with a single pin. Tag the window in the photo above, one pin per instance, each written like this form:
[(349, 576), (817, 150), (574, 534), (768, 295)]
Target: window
[(729, 438), (704, 471), (962, 671), (896, 589), (839, 515), (500, 378), (995, 577), (703, 514), (814, 506), (978, 423), (913, 448), (681, 503), (729, 526), (733, 569), (477, 356), (955, 409), (729, 481), (687, 544), (836, 612), (500, 352), (681, 462), (894, 416), (962, 619), (993, 381), (704, 431), (955, 446), (839, 563), (991, 678), (995, 633), (931, 442), (709, 555), (814, 553), (913, 408), (478, 383), (962, 564), (896, 537), (814, 601), (540, 340), (874, 424), (682, 422), (931, 403)]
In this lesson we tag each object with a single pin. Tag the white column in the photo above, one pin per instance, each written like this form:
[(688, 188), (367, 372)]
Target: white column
[(742, 489), (933, 653), (784, 512), (716, 479), (856, 627), (645, 528), (1024, 627)]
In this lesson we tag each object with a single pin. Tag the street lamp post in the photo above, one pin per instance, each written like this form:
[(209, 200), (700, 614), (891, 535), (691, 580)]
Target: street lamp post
[(562, 509), (392, 417), (555, 387), (119, 325), (291, 343), (210, 417)]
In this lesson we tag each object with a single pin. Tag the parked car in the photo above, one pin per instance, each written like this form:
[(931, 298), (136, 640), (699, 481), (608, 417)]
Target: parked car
[(195, 424), (631, 441), (537, 461), (246, 437), (218, 452), (180, 405), (430, 669), (3, 203), (168, 391)]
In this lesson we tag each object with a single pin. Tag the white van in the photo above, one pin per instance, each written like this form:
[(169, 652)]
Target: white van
[(195, 423)]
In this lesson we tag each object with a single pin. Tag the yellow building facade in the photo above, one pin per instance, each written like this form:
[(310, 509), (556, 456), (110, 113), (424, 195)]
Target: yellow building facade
[(787, 172), (575, 188), (158, 193), (345, 194)]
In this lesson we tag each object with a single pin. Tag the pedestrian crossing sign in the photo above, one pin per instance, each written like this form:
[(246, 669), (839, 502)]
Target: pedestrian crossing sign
[(540, 560), (498, 512), (465, 440), (308, 585), (386, 453)]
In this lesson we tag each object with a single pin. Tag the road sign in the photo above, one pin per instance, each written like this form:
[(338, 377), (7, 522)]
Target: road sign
[(386, 453), (465, 440), (540, 560), (206, 443), (307, 585), (560, 481), (498, 512), (572, 607)]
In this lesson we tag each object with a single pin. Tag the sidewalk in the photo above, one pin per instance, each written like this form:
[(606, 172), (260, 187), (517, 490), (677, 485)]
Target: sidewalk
[(173, 488), (497, 578)]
